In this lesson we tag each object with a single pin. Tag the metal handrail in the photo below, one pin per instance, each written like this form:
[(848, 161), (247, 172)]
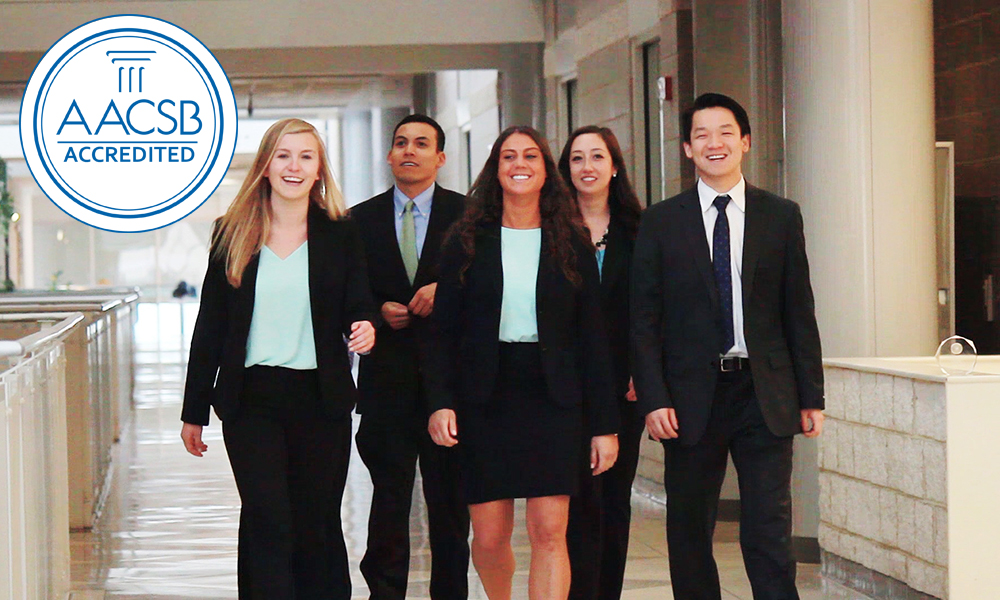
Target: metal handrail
[(91, 301), (103, 306), (96, 291), (43, 315), (65, 299), (29, 343)]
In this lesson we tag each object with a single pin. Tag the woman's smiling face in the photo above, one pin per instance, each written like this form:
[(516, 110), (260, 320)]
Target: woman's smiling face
[(522, 168), (294, 168)]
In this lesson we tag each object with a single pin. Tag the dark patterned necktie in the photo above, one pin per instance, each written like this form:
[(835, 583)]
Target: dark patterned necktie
[(723, 273)]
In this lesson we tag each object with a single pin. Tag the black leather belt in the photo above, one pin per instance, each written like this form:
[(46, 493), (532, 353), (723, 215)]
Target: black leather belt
[(733, 363)]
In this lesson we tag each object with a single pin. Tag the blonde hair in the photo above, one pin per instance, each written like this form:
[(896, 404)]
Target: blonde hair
[(243, 230)]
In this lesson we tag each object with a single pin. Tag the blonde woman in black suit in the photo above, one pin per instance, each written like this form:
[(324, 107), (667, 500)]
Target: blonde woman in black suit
[(286, 283), (519, 357)]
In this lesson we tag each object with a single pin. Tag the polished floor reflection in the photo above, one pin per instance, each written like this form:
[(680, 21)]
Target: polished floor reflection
[(169, 523)]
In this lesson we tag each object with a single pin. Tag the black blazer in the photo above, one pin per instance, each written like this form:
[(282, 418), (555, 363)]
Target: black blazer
[(675, 317), (338, 295), (464, 350), (389, 376), (615, 301)]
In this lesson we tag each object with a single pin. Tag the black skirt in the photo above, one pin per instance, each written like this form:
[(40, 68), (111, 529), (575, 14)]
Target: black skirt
[(520, 444)]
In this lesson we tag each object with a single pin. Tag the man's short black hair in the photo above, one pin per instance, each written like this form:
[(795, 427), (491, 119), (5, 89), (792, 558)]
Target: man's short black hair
[(713, 100), (419, 118)]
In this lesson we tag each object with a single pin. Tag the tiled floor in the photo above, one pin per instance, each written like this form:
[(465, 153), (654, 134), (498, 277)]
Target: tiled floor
[(169, 525)]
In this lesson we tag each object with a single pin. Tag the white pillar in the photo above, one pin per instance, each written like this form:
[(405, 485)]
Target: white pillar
[(859, 152), (333, 150), (23, 192), (859, 116), (92, 256), (378, 158)]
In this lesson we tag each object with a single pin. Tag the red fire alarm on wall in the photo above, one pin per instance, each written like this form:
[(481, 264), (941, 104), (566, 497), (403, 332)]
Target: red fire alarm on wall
[(666, 88)]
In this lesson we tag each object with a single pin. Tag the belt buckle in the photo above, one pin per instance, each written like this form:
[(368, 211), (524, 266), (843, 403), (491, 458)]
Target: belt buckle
[(728, 364)]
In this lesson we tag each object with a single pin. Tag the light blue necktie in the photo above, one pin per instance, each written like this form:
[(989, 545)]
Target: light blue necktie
[(408, 242)]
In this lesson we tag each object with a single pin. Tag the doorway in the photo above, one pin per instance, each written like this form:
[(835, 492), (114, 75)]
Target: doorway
[(977, 272)]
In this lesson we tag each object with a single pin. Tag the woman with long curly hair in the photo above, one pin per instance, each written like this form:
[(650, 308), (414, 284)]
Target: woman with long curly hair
[(286, 283), (599, 515), (520, 372)]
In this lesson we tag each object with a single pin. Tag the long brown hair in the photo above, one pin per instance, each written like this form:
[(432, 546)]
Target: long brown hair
[(622, 199), (561, 221), (243, 230)]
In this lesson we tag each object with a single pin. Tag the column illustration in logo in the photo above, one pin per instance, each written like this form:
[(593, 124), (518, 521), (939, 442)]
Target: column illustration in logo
[(128, 123)]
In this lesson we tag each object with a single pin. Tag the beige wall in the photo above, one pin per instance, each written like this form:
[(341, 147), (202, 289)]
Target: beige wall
[(677, 60), (599, 44)]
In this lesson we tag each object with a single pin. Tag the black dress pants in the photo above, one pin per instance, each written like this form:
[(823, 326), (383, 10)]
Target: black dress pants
[(600, 515), (390, 448), (693, 477), (290, 463)]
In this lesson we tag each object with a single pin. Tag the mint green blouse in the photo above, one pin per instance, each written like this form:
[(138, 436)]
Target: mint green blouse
[(520, 251), (281, 329)]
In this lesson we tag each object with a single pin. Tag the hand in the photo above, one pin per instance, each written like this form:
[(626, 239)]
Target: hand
[(603, 452), (362, 338), (662, 424), (630, 394), (396, 315), (422, 302), (812, 422), (191, 435), (443, 427)]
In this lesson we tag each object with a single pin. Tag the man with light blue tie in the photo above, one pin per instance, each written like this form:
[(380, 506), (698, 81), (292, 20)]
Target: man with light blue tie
[(402, 230)]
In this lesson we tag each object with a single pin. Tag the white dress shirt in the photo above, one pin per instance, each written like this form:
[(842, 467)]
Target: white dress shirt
[(736, 212)]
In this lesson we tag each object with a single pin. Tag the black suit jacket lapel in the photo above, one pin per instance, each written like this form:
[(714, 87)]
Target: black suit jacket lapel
[(245, 295), (492, 258), (385, 221), (694, 234), (319, 255), (436, 228), (755, 223), (547, 283), (615, 265)]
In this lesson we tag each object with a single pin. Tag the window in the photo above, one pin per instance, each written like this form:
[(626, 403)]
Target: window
[(653, 111), (467, 142), (572, 118)]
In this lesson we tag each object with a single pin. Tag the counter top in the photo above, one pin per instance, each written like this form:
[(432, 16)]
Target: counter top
[(924, 368)]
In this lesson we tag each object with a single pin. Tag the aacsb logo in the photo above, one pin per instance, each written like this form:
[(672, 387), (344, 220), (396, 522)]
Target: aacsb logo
[(128, 123)]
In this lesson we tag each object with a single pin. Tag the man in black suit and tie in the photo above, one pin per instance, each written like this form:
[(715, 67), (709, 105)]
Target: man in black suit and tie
[(402, 230), (727, 354)]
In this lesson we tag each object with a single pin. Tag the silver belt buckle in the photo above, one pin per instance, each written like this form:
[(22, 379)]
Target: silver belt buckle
[(733, 364)]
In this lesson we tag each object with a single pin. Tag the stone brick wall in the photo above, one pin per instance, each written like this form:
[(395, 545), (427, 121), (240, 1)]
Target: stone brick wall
[(883, 485)]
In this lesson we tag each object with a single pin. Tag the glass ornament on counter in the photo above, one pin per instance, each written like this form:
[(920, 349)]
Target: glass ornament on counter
[(956, 356)]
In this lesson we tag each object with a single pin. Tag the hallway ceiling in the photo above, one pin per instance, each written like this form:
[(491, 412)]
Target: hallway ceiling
[(283, 96), (273, 97)]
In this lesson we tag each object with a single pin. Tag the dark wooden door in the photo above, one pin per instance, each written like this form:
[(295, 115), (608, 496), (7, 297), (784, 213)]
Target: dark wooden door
[(977, 272)]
